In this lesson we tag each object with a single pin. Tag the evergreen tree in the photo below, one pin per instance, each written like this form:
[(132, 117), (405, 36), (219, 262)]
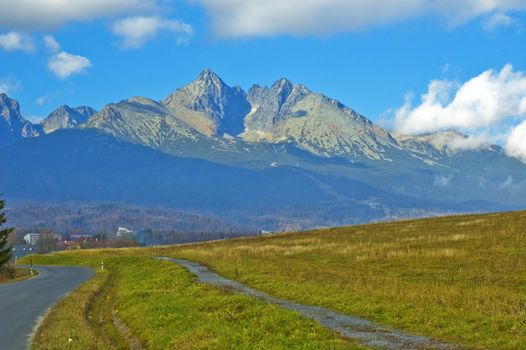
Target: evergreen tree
[(5, 248)]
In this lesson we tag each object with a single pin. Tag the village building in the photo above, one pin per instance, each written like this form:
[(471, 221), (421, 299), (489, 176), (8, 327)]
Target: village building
[(34, 238)]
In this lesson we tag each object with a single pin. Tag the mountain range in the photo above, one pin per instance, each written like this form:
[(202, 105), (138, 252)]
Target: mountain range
[(274, 157)]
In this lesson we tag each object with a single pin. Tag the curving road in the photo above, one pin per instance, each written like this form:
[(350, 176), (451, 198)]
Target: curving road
[(23, 303)]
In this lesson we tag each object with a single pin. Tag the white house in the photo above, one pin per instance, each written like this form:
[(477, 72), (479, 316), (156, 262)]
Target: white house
[(124, 232), (34, 238)]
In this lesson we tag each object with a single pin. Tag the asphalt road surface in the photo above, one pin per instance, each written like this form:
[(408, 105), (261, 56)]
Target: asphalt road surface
[(23, 303)]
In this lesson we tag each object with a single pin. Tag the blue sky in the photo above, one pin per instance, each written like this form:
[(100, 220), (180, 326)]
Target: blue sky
[(369, 59)]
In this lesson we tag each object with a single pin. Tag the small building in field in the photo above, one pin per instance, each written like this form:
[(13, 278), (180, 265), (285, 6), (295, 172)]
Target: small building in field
[(123, 232)]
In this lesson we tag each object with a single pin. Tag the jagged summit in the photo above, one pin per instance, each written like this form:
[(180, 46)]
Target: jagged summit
[(4, 97), (66, 117), (13, 126), (210, 105), (283, 84), (209, 75)]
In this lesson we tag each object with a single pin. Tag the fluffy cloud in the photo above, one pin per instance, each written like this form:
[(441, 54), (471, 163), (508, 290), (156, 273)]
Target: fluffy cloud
[(64, 64), (238, 18), (136, 31), (490, 107), (455, 141), (16, 41), (483, 101), (516, 143), (51, 43), (31, 14)]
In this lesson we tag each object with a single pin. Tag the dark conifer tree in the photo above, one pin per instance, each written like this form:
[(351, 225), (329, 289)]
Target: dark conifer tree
[(5, 247)]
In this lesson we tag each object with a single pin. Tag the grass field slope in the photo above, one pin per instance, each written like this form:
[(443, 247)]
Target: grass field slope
[(459, 279)]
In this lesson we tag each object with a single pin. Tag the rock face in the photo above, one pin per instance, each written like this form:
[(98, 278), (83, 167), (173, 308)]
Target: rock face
[(66, 117), (210, 106), (143, 121), (13, 126), (323, 126), (210, 112)]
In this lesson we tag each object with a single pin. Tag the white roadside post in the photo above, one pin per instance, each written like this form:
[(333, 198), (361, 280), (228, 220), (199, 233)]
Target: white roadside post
[(102, 265)]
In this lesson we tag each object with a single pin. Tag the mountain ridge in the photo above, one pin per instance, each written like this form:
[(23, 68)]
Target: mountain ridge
[(302, 159), (285, 113), (209, 111)]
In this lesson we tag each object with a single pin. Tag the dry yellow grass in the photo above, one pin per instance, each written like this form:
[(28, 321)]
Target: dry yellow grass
[(461, 278)]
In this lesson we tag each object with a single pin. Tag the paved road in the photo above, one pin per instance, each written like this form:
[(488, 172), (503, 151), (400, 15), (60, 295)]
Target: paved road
[(370, 334), (23, 303)]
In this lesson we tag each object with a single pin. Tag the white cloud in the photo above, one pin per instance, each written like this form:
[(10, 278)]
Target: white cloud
[(516, 143), (51, 43), (136, 31), (241, 18), (499, 20), (9, 84), (490, 108), (64, 64), (16, 41), (41, 100), (490, 98), (455, 141), (31, 14)]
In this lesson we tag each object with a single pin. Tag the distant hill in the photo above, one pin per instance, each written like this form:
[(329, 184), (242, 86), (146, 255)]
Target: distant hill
[(72, 218)]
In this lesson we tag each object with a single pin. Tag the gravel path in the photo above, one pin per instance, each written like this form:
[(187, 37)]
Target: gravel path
[(366, 332)]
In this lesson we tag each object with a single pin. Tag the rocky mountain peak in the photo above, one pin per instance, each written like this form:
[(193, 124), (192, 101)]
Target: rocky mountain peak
[(209, 75), (13, 126), (284, 88), (4, 98), (65, 108), (66, 117), (9, 108), (209, 84), (282, 84), (212, 99)]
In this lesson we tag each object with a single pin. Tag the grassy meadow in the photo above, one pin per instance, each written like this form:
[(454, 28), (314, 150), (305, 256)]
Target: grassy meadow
[(163, 308), (460, 279)]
